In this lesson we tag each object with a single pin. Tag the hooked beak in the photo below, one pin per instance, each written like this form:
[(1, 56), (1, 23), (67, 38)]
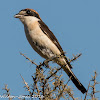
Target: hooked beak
[(18, 16)]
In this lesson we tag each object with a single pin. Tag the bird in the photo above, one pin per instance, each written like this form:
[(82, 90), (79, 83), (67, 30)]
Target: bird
[(44, 42)]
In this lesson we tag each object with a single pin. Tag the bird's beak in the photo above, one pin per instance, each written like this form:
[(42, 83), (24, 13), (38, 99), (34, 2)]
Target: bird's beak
[(20, 14), (17, 16)]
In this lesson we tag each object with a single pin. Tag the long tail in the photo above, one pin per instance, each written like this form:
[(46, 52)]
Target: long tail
[(74, 79)]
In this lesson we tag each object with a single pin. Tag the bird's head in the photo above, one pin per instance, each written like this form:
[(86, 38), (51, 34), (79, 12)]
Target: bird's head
[(28, 15)]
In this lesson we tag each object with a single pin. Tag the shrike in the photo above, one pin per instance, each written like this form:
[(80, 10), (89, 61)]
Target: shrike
[(44, 42)]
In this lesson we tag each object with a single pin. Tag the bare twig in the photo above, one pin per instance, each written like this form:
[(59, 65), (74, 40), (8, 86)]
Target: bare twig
[(28, 59), (45, 88), (35, 82), (87, 91), (7, 92), (26, 85), (59, 96), (53, 73), (94, 90), (75, 57)]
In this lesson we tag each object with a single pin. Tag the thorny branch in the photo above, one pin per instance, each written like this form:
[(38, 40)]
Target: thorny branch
[(87, 91), (45, 88), (29, 59), (7, 92), (51, 86), (93, 87), (26, 85), (75, 57)]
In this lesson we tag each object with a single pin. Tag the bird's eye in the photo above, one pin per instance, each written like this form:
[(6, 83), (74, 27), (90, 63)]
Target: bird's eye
[(28, 11)]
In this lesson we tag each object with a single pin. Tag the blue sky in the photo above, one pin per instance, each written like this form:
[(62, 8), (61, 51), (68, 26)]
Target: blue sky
[(75, 23)]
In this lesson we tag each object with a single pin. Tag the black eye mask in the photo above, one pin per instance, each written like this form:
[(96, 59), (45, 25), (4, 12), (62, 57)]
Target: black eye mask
[(32, 13)]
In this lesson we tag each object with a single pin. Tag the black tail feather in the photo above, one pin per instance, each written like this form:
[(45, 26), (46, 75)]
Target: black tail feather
[(74, 79), (77, 83)]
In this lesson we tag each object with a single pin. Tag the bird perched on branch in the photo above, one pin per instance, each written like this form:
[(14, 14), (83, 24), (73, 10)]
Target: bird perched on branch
[(44, 42)]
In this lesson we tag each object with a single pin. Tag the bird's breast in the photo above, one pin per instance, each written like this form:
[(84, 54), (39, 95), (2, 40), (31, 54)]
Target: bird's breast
[(41, 43)]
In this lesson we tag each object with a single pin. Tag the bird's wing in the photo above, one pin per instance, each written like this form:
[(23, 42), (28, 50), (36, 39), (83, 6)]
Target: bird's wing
[(50, 35)]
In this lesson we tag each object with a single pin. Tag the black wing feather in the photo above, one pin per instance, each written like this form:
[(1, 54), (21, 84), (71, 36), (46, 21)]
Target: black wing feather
[(51, 36)]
